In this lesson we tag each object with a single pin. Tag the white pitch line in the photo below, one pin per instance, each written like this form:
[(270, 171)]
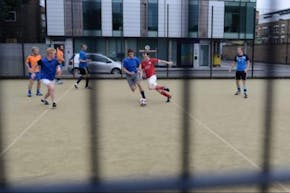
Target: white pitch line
[(24, 131), (245, 157)]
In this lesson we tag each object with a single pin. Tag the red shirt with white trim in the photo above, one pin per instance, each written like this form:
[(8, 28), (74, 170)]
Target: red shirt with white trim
[(149, 66)]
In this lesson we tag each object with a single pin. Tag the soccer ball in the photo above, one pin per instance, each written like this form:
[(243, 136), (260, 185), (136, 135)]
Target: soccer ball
[(142, 102)]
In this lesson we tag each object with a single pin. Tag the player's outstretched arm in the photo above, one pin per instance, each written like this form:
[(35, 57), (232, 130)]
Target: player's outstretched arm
[(165, 62)]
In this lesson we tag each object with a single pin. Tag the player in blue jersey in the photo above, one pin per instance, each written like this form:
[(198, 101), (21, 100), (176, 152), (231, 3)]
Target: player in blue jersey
[(242, 63), (133, 75), (83, 67), (49, 67)]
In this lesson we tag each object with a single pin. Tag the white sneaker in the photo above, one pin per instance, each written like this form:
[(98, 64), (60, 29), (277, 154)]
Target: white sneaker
[(76, 85)]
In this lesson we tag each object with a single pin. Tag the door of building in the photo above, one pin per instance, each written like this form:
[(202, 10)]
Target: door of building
[(204, 55)]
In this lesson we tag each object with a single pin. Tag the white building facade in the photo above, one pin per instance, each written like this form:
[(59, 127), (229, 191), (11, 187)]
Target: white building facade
[(185, 31)]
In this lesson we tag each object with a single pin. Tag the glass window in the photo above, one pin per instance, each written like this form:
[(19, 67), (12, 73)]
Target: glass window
[(193, 16), (152, 15), (98, 58), (233, 18), (117, 9), (116, 49), (132, 44), (92, 15), (239, 19), (250, 14), (152, 42)]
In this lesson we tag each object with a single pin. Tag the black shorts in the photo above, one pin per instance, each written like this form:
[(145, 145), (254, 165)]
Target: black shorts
[(84, 71), (241, 75)]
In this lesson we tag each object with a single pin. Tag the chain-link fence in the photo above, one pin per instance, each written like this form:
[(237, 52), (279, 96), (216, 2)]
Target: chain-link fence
[(185, 69)]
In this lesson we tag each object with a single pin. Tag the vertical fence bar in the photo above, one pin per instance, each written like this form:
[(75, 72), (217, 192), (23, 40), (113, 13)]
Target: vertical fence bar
[(167, 36), (211, 43), (94, 133), (268, 123), (253, 42), (22, 40), (3, 182), (287, 42), (186, 134), (72, 35), (268, 126)]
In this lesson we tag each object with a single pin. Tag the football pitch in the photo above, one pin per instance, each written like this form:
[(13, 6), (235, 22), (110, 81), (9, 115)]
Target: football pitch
[(44, 145)]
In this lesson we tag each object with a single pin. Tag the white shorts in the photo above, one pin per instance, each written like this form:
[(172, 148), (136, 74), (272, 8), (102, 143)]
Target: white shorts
[(47, 82), (152, 81)]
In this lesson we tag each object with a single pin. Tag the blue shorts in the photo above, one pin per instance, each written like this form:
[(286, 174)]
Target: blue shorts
[(37, 76)]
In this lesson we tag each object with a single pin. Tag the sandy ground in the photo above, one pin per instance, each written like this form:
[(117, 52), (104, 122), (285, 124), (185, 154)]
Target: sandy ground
[(52, 145)]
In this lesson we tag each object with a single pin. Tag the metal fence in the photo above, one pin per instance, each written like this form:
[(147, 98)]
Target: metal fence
[(187, 180)]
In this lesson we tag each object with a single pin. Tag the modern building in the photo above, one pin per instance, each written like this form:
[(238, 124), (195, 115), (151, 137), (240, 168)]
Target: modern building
[(274, 27), (184, 31), (23, 24)]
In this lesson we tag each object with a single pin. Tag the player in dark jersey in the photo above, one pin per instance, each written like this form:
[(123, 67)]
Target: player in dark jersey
[(242, 63)]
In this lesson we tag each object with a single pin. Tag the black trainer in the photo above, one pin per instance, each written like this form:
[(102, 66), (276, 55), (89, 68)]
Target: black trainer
[(45, 102), (53, 105), (168, 99), (245, 95), (166, 89)]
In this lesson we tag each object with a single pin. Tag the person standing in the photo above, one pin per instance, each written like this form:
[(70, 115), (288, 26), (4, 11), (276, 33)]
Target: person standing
[(60, 59), (83, 67), (33, 68), (242, 63)]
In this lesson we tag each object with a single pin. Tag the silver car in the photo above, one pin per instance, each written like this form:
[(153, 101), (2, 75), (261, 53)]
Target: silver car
[(99, 63)]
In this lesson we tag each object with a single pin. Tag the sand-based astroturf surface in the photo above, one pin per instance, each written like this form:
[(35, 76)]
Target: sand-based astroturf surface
[(52, 145)]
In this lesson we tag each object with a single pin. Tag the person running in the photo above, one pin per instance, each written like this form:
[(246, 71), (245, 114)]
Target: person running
[(33, 68), (60, 59), (133, 76), (49, 66), (243, 63), (148, 66), (83, 67)]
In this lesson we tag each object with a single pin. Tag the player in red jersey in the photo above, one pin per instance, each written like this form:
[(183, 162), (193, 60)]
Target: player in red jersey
[(148, 66)]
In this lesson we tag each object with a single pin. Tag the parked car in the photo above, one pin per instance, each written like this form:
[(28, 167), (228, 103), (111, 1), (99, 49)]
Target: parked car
[(98, 64)]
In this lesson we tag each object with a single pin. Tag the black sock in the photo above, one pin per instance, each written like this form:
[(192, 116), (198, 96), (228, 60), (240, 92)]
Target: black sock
[(143, 94), (58, 79), (87, 82), (80, 79)]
